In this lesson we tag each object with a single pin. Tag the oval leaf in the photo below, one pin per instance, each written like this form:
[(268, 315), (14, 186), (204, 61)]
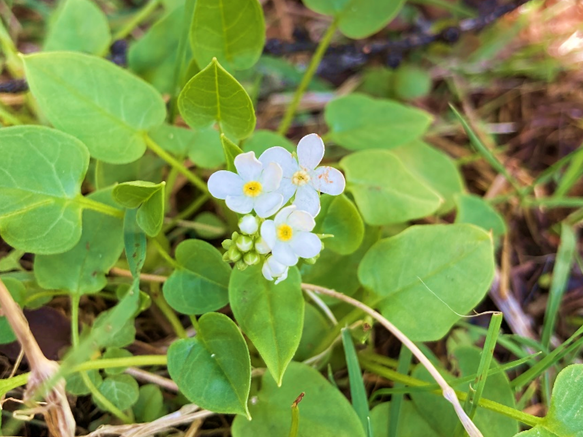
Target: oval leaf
[(213, 95), (475, 210), (272, 316), (213, 369), (231, 30), (201, 282), (427, 275), (121, 390), (103, 105), (42, 170), (384, 190), (339, 217)]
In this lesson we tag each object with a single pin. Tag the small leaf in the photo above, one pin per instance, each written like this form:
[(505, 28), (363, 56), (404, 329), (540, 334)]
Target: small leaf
[(121, 390), (339, 217), (118, 335), (76, 386), (115, 352), (148, 198), (101, 104), (272, 316), (476, 211), (264, 139), (231, 30), (384, 190), (82, 269), (231, 150), (359, 122), (200, 284), (206, 149), (315, 328), (42, 171), (150, 404), (79, 26), (427, 275), (213, 369), (18, 293), (213, 95), (147, 168)]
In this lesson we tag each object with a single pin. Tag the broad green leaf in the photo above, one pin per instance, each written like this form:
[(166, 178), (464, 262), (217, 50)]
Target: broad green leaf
[(213, 95), (271, 316), (264, 139), (209, 226), (115, 352), (147, 168), (434, 168), (339, 217), (427, 275), (359, 122), (411, 423), (324, 411), (201, 282), (18, 293), (440, 415), (384, 191), (233, 31), (148, 198), (358, 18), (79, 26), (76, 386), (174, 139), (123, 334), (230, 150), (476, 211), (316, 326), (206, 149), (411, 82), (150, 404), (121, 390), (213, 369), (103, 105), (40, 202), (82, 269)]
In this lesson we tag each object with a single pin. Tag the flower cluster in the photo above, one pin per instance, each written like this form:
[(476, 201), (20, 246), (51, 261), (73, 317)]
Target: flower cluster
[(264, 187)]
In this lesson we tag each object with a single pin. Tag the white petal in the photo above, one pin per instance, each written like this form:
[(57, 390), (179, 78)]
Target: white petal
[(241, 204), (310, 151), (306, 244), (328, 180), (271, 177), (225, 183), (266, 271), (307, 199), (283, 276), (287, 189), (277, 269), (268, 233), (283, 253), (301, 221), (261, 246), (267, 204), (279, 155), (248, 167), (282, 215)]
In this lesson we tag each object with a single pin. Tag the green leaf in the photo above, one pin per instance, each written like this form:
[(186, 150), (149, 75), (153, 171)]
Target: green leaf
[(206, 149), (213, 95), (339, 217), (427, 275), (358, 18), (213, 369), (76, 386), (174, 139), (42, 171), (230, 150), (316, 326), (150, 404), (11, 261), (264, 139), (476, 211), (233, 31), (135, 243), (147, 168), (82, 269), (209, 226), (412, 82), (434, 168), (272, 316), (18, 293), (200, 283), (384, 190), (79, 26), (359, 122), (121, 390), (411, 423), (148, 198), (115, 352), (324, 411), (104, 106)]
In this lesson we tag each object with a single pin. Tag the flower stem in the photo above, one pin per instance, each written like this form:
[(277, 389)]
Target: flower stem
[(310, 71), (136, 20)]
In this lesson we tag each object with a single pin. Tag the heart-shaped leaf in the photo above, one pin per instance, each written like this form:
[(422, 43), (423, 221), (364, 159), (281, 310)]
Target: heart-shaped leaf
[(339, 217), (272, 316), (148, 198), (213, 95), (475, 210), (213, 369), (201, 282), (384, 190), (231, 30), (40, 202), (427, 275), (104, 106)]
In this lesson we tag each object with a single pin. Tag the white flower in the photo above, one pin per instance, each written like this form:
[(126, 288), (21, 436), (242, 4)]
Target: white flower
[(274, 270), (289, 236), (302, 177), (261, 247), (248, 224), (253, 188)]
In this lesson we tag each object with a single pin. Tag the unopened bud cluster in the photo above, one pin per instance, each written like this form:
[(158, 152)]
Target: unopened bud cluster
[(245, 249)]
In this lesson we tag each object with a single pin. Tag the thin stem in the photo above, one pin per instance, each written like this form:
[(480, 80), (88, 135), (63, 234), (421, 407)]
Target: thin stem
[(448, 392), (136, 20), (168, 312), (13, 62), (173, 162), (192, 208), (100, 207), (143, 276), (310, 71)]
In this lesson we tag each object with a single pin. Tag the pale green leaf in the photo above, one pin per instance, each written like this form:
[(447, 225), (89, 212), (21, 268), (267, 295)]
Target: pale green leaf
[(148, 198), (340, 218), (150, 404), (121, 390), (475, 210), (264, 139)]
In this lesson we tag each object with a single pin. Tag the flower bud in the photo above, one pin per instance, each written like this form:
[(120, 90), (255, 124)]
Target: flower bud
[(249, 224), (251, 258), (261, 246), (244, 243), (227, 257), (241, 265), (312, 260), (234, 254), (226, 244), (234, 236)]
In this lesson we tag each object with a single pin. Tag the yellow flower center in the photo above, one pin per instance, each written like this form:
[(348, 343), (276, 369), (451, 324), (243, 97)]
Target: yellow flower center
[(300, 178), (284, 232), (252, 189)]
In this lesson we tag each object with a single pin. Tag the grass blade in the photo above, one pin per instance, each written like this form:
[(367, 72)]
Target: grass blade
[(397, 400), (357, 390)]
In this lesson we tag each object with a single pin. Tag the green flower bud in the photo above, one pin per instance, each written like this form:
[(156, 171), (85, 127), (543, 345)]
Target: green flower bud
[(249, 224), (251, 258), (312, 260), (244, 243), (241, 265), (234, 254), (227, 257), (226, 244), (234, 236)]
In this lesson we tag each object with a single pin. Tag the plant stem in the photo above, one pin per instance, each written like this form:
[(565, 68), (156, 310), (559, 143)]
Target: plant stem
[(136, 20), (173, 162), (168, 312), (100, 207), (13, 62), (310, 71), (192, 208)]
